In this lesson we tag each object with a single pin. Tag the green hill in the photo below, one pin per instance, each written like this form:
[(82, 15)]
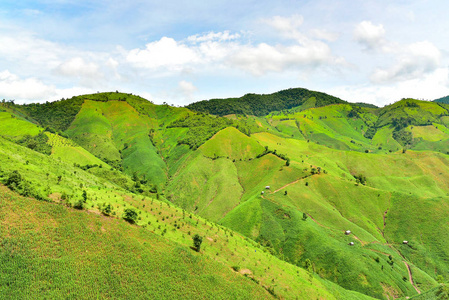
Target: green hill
[(284, 175), (442, 100), (260, 105)]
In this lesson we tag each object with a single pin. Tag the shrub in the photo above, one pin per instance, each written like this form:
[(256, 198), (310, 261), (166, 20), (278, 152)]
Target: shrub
[(197, 240), (130, 215), (79, 204)]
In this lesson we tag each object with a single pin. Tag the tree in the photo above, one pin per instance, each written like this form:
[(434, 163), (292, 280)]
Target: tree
[(106, 209), (304, 216), (79, 204), (84, 196), (130, 215), (14, 179), (443, 292), (197, 240)]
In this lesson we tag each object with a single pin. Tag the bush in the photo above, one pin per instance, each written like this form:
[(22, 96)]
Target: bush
[(79, 204), (130, 215), (197, 240)]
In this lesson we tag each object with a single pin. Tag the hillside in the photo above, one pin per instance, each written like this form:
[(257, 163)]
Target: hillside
[(44, 244), (442, 100), (283, 184), (260, 105)]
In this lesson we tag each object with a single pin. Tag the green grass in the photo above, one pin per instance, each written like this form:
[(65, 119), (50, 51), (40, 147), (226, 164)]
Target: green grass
[(11, 125), (49, 251), (232, 144), (105, 128), (405, 196)]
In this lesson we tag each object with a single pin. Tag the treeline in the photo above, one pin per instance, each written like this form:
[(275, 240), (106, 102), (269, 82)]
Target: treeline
[(57, 115), (203, 126), (261, 105), (442, 100), (37, 143)]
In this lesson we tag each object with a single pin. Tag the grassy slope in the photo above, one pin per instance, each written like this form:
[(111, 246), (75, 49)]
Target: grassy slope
[(105, 128), (399, 186), (67, 242), (232, 144), (49, 251), (11, 125)]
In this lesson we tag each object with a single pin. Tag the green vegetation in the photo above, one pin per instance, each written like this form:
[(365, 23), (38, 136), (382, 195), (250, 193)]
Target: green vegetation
[(260, 105), (308, 197)]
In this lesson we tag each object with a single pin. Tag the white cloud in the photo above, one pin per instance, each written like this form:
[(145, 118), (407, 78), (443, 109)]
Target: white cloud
[(266, 58), (325, 35), (33, 90), (213, 36), (219, 50), (166, 53), (287, 26), (78, 67), (415, 60), (369, 35), (430, 86), (12, 87), (187, 89)]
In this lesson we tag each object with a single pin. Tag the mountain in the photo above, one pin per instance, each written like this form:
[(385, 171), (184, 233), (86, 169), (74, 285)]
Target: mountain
[(442, 100), (272, 195), (260, 105)]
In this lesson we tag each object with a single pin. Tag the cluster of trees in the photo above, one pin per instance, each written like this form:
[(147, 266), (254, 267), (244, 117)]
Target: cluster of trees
[(280, 155), (360, 179), (86, 167), (37, 143), (261, 105), (355, 111), (57, 115), (403, 137), (203, 126), (16, 182)]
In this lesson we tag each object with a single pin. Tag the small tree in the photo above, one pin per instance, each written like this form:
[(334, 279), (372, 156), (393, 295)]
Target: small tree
[(79, 204), (197, 240), (304, 216), (443, 292), (130, 215), (84, 196), (106, 209)]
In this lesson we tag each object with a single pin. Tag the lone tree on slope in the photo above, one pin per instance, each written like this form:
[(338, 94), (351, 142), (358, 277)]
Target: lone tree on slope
[(197, 240)]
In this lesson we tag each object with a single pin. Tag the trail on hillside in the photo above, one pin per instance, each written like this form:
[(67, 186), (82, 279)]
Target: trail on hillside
[(288, 184), (411, 277), (363, 243), (319, 223)]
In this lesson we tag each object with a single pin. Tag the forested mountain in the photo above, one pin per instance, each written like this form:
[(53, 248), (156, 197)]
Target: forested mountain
[(260, 105), (443, 100), (293, 195)]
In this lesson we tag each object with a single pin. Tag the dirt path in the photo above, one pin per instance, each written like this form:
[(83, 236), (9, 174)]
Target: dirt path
[(281, 188), (411, 277), (363, 243), (319, 223)]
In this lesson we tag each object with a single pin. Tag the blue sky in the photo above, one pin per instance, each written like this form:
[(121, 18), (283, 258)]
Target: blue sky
[(184, 51)]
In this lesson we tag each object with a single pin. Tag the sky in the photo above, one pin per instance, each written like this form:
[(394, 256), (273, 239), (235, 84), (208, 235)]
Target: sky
[(181, 52)]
